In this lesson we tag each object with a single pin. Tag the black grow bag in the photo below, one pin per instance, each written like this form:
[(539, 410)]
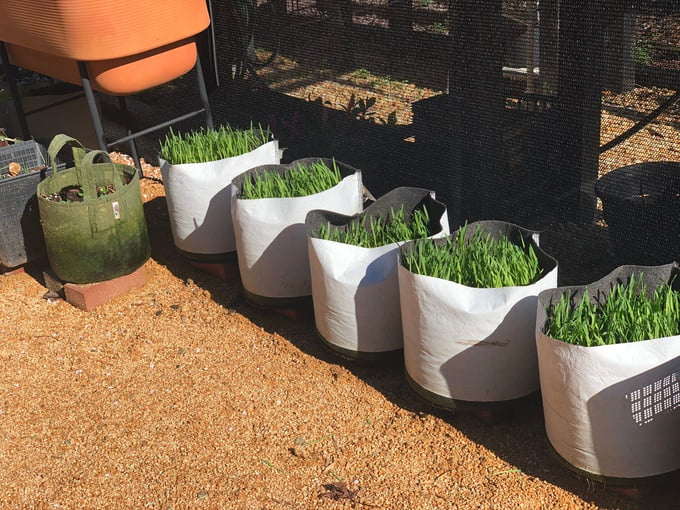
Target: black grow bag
[(21, 238), (641, 205)]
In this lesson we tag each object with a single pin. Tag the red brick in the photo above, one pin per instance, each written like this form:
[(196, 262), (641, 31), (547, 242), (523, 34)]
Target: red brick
[(631, 493), (224, 270), (302, 312), (88, 296), (7, 271)]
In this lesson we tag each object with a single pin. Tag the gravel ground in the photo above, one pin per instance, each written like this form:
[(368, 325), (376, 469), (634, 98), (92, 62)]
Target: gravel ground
[(179, 395)]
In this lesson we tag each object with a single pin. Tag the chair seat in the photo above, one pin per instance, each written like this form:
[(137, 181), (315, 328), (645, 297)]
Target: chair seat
[(117, 47), (118, 76), (94, 30)]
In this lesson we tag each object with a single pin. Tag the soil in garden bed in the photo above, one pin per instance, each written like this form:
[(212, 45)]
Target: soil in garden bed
[(75, 193)]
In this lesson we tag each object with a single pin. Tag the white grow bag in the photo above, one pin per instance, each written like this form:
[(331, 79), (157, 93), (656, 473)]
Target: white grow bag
[(614, 410), (470, 344), (271, 241), (199, 201), (355, 290)]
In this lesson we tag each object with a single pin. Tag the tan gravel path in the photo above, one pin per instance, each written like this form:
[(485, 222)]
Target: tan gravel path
[(179, 395)]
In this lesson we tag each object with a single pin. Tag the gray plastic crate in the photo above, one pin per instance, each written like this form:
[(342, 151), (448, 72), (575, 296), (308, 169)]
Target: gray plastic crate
[(21, 237), (28, 154)]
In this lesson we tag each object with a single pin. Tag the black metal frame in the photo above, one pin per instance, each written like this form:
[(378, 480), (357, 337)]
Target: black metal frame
[(10, 73)]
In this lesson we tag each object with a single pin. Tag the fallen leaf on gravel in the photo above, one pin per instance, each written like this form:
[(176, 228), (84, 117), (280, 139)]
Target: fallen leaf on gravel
[(339, 490)]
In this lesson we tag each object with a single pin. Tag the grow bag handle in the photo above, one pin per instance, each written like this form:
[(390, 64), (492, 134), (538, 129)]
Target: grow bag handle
[(85, 174), (58, 143)]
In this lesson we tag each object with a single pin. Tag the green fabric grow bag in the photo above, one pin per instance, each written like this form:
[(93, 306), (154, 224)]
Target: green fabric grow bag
[(102, 237)]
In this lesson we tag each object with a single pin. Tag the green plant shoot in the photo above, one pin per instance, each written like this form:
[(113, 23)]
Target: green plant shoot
[(211, 145), (628, 314), (374, 232), (297, 181), (480, 262)]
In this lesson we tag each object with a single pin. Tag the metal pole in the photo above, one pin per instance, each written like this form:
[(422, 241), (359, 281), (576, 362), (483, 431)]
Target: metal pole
[(92, 105), (133, 146), (11, 77), (203, 92), (531, 47)]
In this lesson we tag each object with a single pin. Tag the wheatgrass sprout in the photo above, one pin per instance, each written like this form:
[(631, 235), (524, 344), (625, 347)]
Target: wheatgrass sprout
[(297, 181), (628, 314), (378, 231), (211, 144), (480, 262)]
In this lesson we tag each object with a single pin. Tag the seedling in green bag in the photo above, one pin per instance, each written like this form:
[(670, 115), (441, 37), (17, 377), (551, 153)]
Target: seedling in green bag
[(74, 193)]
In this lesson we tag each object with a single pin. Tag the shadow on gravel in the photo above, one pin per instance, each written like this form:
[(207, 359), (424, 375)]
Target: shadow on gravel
[(500, 429)]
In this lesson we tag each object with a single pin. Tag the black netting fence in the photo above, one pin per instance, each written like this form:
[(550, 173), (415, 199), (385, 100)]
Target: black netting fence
[(507, 109)]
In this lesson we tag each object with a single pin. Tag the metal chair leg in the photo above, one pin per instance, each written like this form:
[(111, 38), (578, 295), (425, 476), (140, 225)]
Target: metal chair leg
[(122, 103), (130, 137), (11, 76), (203, 92), (92, 105)]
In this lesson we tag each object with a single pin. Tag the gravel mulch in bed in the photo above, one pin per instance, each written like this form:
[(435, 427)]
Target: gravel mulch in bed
[(179, 395)]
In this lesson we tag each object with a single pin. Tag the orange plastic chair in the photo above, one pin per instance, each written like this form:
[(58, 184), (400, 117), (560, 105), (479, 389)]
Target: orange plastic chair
[(105, 45)]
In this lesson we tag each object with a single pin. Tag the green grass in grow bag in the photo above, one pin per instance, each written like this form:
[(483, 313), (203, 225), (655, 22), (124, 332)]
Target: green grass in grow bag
[(378, 231), (481, 262), (211, 145), (628, 314), (298, 181)]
